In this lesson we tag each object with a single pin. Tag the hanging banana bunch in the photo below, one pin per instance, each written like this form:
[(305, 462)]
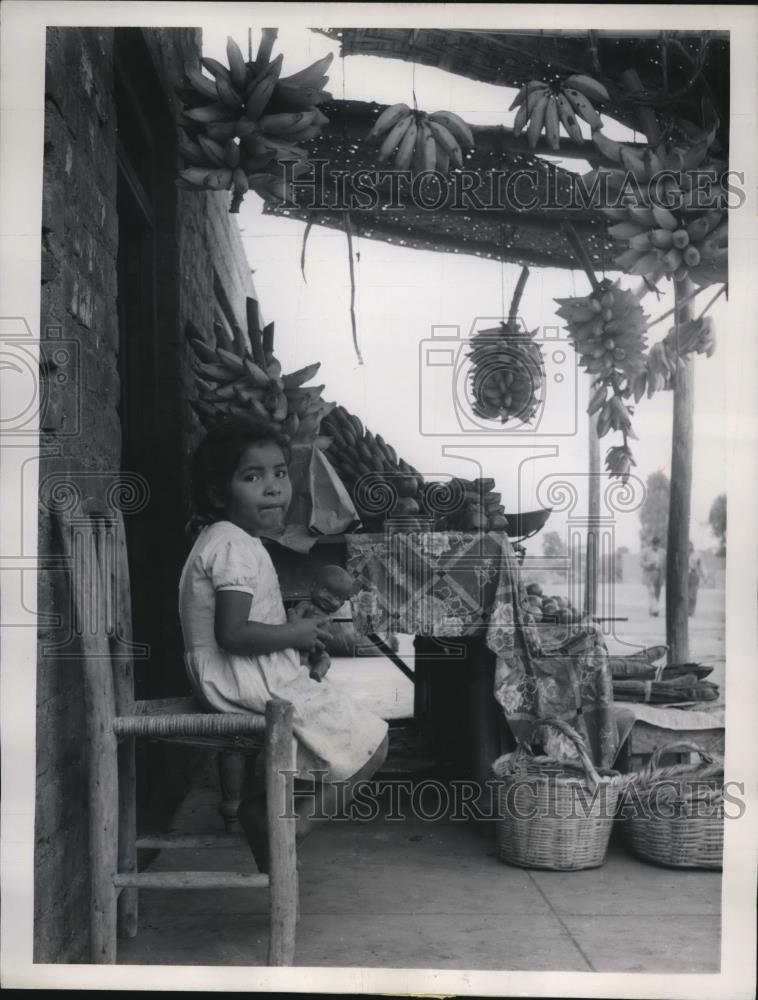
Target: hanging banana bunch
[(420, 141), (238, 124), (242, 377), (696, 336), (542, 106), (680, 241), (508, 370)]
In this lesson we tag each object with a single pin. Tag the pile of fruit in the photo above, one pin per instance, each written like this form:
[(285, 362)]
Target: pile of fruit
[(549, 610), (380, 484), (242, 377), (239, 123), (541, 106), (463, 505), (420, 141)]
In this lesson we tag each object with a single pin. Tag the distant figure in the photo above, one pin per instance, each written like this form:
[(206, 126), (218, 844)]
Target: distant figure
[(695, 577), (653, 563)]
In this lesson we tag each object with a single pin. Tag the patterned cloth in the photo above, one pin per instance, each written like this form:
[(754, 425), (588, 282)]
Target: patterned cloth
[(462, 584)]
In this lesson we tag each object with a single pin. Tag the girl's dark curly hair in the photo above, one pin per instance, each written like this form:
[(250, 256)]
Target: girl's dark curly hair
[(216, 458)]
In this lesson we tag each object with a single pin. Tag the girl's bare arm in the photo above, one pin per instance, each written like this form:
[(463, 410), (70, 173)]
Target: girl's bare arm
[(236, 634)]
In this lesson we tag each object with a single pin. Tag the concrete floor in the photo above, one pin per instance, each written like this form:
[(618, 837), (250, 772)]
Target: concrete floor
[(415, 894)]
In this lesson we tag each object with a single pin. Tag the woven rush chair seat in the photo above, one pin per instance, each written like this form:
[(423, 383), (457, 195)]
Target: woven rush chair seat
[(94, 546)]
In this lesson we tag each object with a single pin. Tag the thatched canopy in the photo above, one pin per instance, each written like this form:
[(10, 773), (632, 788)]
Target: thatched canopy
[(693, 65)]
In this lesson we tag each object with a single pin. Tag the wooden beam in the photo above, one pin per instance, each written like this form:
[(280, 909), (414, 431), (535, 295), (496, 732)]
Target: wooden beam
[(677, 550)]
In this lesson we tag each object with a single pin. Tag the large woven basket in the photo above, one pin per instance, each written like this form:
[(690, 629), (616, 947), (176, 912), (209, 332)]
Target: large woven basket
[(674, 815), (554, 814)]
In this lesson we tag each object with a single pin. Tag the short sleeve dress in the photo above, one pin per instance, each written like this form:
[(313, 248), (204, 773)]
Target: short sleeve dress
[(333, 732)]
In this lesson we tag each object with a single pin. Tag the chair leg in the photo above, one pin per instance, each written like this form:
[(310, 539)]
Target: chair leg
[(103, 831), (128, 900), (283, 883), (231, 772)]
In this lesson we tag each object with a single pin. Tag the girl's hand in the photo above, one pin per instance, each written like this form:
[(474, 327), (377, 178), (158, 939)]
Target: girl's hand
[(306, 632)]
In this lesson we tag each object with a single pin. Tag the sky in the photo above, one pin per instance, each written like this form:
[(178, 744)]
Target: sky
[(404, 294)]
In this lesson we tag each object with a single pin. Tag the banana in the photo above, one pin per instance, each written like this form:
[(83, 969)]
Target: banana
[(222, 132), (191, 151), (212, 150), (312, 75), (215, 112), (661, 238), (404, 154), (568, 118), (216, 68), (519, 122), (393, 138), (226, 94), (429, 148), (625, 230), (598, 398), (552, 123), (283, 150), (536, 121), (282, 124), (387, 120), (447, 142), (530, 87), (692, 256), (583, 108), (603, 424), (200, 83), (639, 385), (641, 215), (237, 64), (204, 352), (647, 263), (590, 88), (260, 96), (610, 149), (455, 124), (641, 242), (632, 163), (664, 219), (627, 259), (296, 379)]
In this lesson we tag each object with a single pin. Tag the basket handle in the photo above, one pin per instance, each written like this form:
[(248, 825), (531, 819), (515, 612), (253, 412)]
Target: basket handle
[(682, 747), (581, 747)]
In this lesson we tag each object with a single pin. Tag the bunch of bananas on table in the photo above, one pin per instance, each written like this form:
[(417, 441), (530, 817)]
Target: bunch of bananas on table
[(607, 329), (541, 106), (240, 122), (242, 377), (420, 141), (463, 505), (380, 484), (669, 233), (508, 373)]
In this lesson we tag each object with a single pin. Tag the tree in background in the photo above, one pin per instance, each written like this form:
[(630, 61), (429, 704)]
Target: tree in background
[(654, 512), (553, 546), (717, 521)]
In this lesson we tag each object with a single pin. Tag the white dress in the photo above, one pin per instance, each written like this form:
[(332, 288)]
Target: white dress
[(332, 731)]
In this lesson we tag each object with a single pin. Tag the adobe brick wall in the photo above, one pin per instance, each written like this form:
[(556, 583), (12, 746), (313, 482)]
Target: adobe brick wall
[(79, 246)]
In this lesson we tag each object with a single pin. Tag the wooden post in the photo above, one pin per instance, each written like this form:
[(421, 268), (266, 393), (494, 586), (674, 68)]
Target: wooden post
[(593, 515), (677, 549), (484, 717), (281, 830)]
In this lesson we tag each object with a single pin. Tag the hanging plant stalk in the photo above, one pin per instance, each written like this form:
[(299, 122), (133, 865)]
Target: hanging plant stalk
[(349, 234)]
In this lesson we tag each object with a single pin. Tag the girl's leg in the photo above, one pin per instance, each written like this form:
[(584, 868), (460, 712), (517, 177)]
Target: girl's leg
[(323, 801)]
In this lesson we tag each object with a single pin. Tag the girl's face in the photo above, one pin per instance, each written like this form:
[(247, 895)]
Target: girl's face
[(260, 490)]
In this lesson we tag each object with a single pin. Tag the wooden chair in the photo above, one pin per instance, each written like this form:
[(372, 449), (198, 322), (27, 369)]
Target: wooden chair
[(94, 544)]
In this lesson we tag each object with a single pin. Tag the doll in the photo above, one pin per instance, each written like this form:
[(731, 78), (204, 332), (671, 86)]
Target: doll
[(331, 587)]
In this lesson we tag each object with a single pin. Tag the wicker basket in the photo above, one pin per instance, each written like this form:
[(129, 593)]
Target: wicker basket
[(566, 807), (682, 825)]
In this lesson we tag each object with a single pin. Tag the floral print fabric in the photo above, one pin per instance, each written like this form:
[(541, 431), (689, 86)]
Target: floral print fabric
[(462, 584)]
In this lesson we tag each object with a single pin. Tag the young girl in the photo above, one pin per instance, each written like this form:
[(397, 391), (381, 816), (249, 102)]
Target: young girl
[(241, 649)]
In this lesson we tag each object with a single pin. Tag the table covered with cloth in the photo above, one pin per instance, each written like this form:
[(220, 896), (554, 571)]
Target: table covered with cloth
[(466, 584)]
